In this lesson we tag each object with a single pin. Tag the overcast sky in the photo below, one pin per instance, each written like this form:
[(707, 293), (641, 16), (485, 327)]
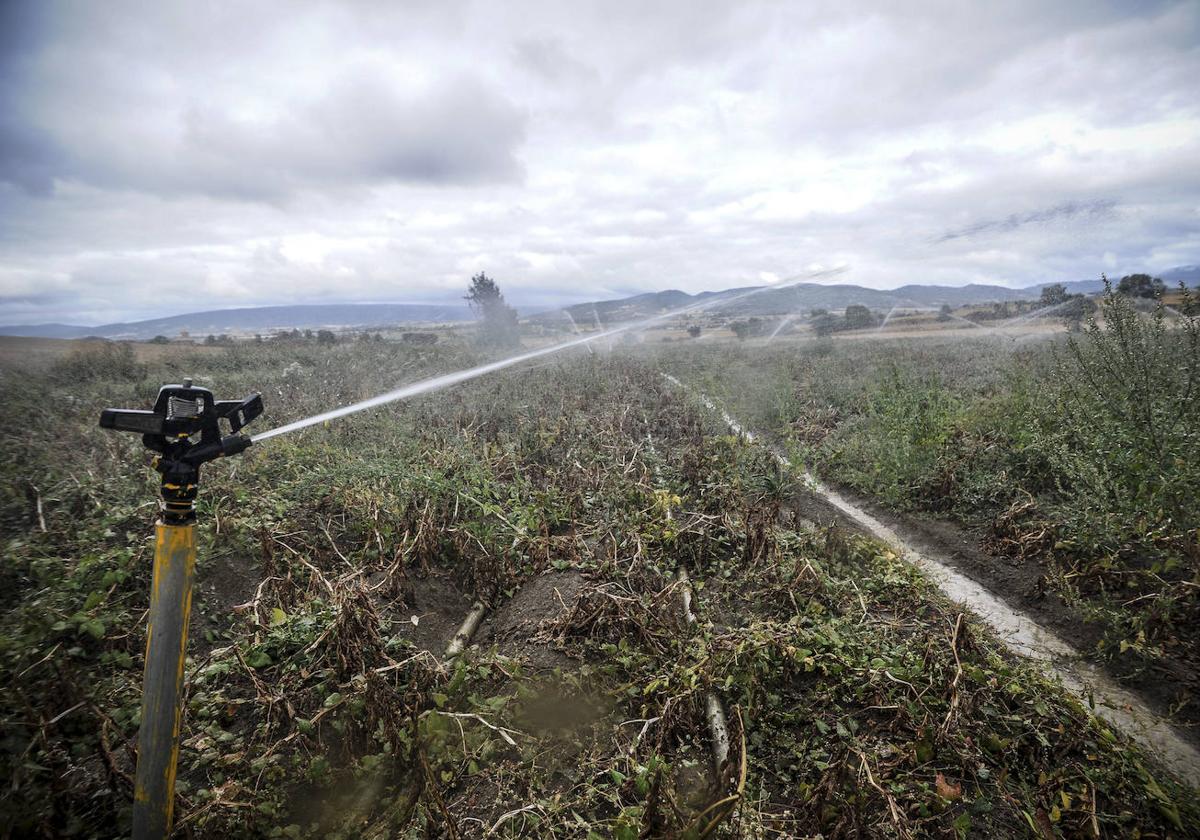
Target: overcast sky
[(168, 157)]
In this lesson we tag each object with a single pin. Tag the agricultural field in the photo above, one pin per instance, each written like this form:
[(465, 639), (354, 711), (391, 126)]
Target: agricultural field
[(584, 500)]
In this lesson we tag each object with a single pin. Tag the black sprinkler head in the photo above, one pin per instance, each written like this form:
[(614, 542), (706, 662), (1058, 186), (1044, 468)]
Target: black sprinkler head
[(184, 428)]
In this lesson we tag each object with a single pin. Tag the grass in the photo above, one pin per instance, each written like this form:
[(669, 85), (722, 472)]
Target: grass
[(860, 703)]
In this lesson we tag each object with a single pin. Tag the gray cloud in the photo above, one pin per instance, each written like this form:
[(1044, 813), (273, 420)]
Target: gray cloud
[(1067, 211), (360, 131), (156, 123), (159, 158)]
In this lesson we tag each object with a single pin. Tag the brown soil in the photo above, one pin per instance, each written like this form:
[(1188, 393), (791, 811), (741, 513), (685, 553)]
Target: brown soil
[(222, 583), (518, 627), (515, 627), (439, 608)]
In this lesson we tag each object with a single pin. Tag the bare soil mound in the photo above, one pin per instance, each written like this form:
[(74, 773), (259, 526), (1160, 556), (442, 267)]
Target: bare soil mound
[(519, 627)]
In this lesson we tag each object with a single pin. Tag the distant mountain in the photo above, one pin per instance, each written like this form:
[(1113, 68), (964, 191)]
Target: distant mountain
[(807, 296), (795, 298), (980, 293), (1076, 287), (261, 319), (47, 330), (1189, 274), (623, 309)]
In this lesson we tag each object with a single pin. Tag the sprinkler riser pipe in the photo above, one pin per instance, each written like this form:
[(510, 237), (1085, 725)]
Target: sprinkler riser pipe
[(714, 713), (467, 631), (184, 429), (162, 689)]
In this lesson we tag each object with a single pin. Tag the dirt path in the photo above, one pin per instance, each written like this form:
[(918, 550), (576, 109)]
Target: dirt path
[(1025, 635), (1021, 587)]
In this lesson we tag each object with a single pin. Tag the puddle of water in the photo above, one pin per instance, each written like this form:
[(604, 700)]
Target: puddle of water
[(1115, 705)]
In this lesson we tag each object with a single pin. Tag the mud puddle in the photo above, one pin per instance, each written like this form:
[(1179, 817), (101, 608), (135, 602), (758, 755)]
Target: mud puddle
[(1109, 701)]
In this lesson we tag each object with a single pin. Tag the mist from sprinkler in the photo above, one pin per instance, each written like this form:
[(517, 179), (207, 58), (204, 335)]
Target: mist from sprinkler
[(575, 329), (1037, 313), (779, 328), (446, 380), (967, 321)]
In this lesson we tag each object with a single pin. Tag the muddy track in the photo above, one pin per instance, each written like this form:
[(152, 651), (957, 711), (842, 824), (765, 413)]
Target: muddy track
[(953, 564), (1161, 684)]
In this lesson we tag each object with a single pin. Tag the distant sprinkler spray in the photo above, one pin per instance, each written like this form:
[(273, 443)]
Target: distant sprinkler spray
[(888, 317), (967, 321), (1037, 313), (779, 328), (599, 323), (575, 329)]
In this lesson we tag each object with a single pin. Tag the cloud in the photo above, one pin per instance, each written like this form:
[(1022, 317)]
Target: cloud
[(1067, 211), (239, 104), (361, 130), (165, 157)]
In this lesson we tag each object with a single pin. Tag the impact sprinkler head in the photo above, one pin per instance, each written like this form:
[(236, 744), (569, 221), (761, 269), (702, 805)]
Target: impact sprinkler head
[(184, 429)]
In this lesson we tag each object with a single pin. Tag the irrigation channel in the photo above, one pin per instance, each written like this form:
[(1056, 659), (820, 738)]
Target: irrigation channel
[(1117, 706)]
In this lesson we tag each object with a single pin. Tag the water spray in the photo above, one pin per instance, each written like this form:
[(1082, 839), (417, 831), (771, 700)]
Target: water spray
[(575, 328), (446, 380), (599, 324), (778, 329), (967, 321), (1037, 313), (184, 430), (887, 318)]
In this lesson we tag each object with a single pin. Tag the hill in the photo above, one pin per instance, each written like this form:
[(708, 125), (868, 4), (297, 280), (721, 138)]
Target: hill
[(256, 319), (800, 297), (794, 298)]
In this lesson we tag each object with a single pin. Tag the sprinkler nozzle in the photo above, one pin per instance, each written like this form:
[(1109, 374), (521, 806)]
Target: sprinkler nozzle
[(184, 428)]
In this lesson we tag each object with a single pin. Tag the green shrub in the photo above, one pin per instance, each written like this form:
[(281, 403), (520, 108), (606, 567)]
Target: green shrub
[(1122, 409), (892, 448)]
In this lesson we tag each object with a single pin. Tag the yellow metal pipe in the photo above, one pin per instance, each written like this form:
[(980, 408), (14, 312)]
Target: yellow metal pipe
[(162, 690)]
